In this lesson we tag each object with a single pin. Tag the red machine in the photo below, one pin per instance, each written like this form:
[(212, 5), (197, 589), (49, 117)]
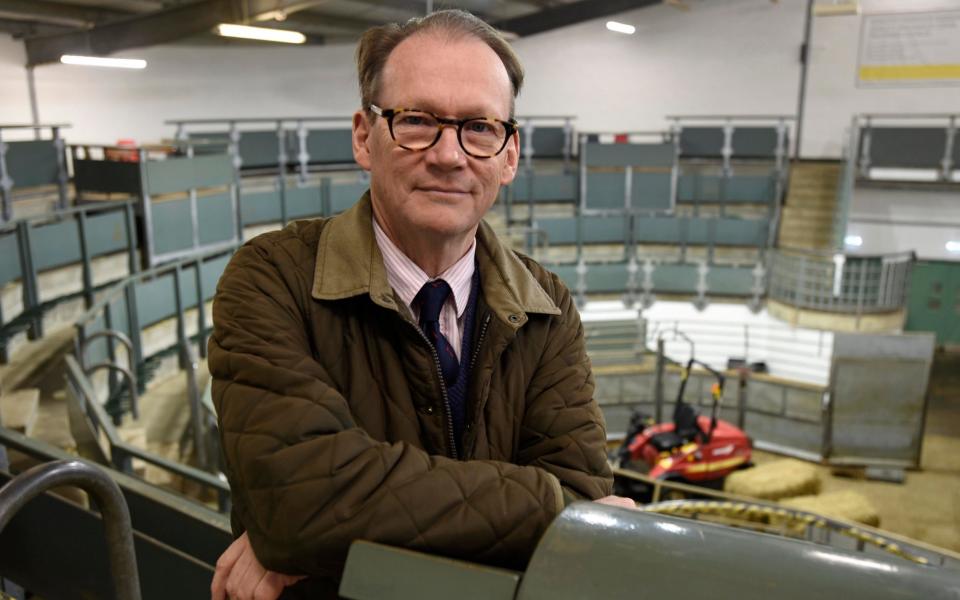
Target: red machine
[(693, 448)]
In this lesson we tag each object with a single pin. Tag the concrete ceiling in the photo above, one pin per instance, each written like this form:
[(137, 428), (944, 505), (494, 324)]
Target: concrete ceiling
[(51, 28)]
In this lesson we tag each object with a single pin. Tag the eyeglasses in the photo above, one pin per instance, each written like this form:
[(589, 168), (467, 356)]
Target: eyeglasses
[(480, 137)]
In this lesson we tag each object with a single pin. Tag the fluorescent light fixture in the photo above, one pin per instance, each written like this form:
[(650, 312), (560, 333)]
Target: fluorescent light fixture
[(100, 61), (260, 33), (854, 241), (953, 246), (621, 27)]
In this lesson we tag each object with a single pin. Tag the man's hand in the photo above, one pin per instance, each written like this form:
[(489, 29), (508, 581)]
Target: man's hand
[(240, 576), (617, 501)]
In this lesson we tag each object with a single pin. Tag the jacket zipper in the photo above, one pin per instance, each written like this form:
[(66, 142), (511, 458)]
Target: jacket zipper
[(476, 347), (451, 441)]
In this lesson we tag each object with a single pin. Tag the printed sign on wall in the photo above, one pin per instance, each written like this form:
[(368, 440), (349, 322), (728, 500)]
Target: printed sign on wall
[(908, 49)]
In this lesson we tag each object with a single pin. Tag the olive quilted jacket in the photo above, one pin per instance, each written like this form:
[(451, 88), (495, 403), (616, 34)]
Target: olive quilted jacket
[(332, 418)]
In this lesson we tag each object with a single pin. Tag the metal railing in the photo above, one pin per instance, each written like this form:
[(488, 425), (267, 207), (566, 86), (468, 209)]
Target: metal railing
[(113, 507), (8, 180), (840, 283), (21, 233), (929, 143)]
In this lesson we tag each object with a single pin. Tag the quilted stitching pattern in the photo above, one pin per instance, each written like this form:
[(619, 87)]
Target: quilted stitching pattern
[(317, 403)]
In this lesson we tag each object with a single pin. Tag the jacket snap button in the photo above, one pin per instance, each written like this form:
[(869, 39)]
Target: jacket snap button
[(514, 318), (428, 409)]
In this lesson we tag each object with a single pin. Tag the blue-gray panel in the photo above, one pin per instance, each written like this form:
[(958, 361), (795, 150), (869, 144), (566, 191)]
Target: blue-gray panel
[(211, 271), (740, 232), (304, 202), (106, 176), (330, 146), (32, 163), (697, 230), (561, 230), (260, 148), (755, 142), (55, 245), (606, 190), (567, 274), (345, 195), (730, 281), (181, 174), (754, 189), (215, 218), (155, 300), (701, 142), (625, 155), (10, 263), (547, 142), (172, 228), (107, 233), (211, 148), (651, 191), (260, 207), (907, 147), (676, 278), (556, 187), (657, 230), (606, 278), (595, 230)]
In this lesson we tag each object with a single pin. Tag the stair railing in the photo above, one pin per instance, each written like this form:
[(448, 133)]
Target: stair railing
[(113, 507)]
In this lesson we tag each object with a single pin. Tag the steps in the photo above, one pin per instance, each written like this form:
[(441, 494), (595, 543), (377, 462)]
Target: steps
[(19, 410), (807, 220)]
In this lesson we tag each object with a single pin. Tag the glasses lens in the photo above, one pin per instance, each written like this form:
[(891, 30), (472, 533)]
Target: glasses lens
[(483, 137), (414, 130)]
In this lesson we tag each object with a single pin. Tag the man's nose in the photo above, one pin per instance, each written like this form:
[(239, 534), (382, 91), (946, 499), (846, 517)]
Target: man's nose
[(447, 151)]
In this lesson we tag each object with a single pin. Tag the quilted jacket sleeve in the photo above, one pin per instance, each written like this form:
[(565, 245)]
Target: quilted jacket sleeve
[(307, 481), (563, 430)]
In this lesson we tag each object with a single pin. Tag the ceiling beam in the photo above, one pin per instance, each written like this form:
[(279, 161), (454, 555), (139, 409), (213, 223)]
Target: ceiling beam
[(568, 14), (323, 20), (58, 13), (160, 27), (21, 29)]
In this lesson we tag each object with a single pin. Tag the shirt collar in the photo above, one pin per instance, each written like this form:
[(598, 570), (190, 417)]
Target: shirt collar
[(406, 277)]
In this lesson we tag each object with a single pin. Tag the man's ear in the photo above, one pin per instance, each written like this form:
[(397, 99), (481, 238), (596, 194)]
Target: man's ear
[(509, 169), (361, 139)]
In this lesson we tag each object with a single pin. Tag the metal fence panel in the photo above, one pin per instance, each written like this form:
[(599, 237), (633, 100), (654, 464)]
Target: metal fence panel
[(304, 202), (215, 216), (878, 390), (330, 145), (626, 155), (260, 207), (651, 191), (107, 233), (9, 257), (171, 225), (55, 244), (32, 163)]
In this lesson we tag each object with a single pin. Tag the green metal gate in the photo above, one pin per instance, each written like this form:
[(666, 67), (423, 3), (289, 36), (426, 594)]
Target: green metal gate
[(933, 302)]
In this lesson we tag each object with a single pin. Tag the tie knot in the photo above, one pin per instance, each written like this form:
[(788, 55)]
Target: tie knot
[(432, 296)]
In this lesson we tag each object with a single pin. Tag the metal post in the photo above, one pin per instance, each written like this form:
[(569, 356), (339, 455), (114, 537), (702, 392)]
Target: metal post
[(131, 234), (742, 379), (113, 507), (804, 64), (31, 295), (727, 150), (281, 173), (87, 268), (181, 327), (146, 211), (112, 383), (34, 110), (194, 212), (61, 168), (133, 326), (567, 143), (948, 149), (658, 380), (201, 310), (528, 129), (865, 139), (303, 156), (6, 185), (196, 414)]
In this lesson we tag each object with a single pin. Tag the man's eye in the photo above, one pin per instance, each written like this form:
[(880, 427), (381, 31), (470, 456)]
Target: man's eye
[(413, 120), (480, 127)]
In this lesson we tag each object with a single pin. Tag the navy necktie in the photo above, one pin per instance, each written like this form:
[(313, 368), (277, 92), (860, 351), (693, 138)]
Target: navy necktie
[(432, 296)]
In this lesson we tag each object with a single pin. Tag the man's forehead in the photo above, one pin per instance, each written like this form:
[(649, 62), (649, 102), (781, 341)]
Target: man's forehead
[(414, 68)]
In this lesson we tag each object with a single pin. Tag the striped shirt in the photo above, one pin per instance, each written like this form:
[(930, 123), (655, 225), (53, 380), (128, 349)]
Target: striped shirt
[(406, 279)]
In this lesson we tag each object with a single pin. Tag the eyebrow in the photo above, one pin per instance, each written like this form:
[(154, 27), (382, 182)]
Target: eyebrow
[(432, 108)]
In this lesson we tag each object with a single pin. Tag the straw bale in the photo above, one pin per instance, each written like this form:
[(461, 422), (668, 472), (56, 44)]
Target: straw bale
[(844, 504), (775, 480)]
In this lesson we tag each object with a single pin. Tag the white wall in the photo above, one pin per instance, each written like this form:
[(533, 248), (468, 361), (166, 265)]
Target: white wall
[(105, 105), (891, 220), (729, 56)]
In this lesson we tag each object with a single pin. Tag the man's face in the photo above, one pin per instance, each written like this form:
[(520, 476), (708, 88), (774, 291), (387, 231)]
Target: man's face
[(441, 192)]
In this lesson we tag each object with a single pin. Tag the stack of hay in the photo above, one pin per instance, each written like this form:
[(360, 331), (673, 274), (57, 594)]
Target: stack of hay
[(796, 485)]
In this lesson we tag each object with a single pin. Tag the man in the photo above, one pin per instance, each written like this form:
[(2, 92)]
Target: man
[(395, 373)]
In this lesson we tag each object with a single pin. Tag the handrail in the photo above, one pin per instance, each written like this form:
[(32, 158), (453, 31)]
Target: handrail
[(131, 383), (731, 117), (34, 125), (116, 516)]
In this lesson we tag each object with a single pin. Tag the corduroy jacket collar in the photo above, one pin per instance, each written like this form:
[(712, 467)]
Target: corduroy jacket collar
[(349, 264)]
